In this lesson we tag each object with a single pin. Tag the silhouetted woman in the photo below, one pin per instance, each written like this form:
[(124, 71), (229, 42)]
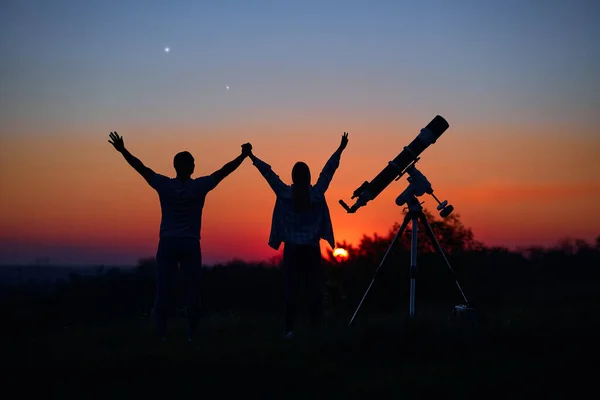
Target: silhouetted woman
[(300, 220)]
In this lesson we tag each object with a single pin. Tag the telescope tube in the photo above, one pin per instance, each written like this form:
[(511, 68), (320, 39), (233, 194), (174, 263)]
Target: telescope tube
[(369, 190)]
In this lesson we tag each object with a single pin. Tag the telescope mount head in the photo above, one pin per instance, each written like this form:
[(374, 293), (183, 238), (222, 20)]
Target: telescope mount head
[(419, 185)]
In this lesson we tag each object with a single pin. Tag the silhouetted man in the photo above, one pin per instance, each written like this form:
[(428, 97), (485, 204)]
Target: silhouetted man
[(300, 220), (181, 202)]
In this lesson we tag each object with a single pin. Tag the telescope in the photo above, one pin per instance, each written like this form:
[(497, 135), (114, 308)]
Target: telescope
[(399, 165), (419, 185)]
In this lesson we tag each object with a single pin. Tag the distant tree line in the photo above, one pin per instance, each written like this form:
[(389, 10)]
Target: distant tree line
[(493, 278)]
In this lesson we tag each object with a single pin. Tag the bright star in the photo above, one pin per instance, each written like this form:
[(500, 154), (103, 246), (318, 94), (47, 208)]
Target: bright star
[(227, 87), (167, 49)]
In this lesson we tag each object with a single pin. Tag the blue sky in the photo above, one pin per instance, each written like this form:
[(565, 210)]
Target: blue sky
[(84, 60)]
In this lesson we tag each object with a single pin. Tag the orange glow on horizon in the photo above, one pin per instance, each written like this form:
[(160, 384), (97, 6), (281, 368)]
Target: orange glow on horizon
[(81, 192), (341, 253)]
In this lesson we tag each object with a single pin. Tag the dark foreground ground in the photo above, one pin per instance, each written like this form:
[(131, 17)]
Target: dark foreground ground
[(535, 352)]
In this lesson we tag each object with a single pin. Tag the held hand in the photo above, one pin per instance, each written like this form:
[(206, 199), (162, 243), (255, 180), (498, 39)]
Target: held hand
[(246, 149), (117, 141), (344, 142)]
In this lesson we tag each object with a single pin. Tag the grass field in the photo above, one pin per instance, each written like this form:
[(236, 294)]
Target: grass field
[(245, 355)]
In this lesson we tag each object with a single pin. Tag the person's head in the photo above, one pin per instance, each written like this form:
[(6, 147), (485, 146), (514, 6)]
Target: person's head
[(301, 174), (301, 187), (184, 164)]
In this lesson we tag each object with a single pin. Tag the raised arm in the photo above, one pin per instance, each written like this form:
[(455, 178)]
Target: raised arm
[(119, 145), (331, 166), (271, 177), (231, 166)]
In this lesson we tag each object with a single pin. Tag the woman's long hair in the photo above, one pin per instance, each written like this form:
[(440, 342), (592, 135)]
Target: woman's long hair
[(301, 187)]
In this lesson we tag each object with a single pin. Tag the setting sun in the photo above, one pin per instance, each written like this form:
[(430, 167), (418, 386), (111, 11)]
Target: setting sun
[(340, 253)]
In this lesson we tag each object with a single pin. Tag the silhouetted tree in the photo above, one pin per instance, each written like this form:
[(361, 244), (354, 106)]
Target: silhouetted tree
[(146, 266)]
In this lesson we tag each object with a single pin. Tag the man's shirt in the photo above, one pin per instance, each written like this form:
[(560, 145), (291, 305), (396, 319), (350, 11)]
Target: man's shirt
[(181, 204)]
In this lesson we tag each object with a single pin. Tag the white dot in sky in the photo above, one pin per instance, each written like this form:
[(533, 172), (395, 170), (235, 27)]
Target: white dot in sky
[(167, 49), (227, 87)]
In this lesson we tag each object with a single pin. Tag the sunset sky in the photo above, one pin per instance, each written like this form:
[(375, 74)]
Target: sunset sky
[(517, 81)]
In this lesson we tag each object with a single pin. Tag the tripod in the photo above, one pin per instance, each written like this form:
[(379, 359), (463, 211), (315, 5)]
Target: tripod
[(414, 214)]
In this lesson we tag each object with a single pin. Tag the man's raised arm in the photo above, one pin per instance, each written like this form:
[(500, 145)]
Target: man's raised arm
[(119, 145), (231, 166)]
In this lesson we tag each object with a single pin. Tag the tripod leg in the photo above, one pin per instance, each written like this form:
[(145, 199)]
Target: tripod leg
[(440, 251), (413, 264), (398, 234)]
